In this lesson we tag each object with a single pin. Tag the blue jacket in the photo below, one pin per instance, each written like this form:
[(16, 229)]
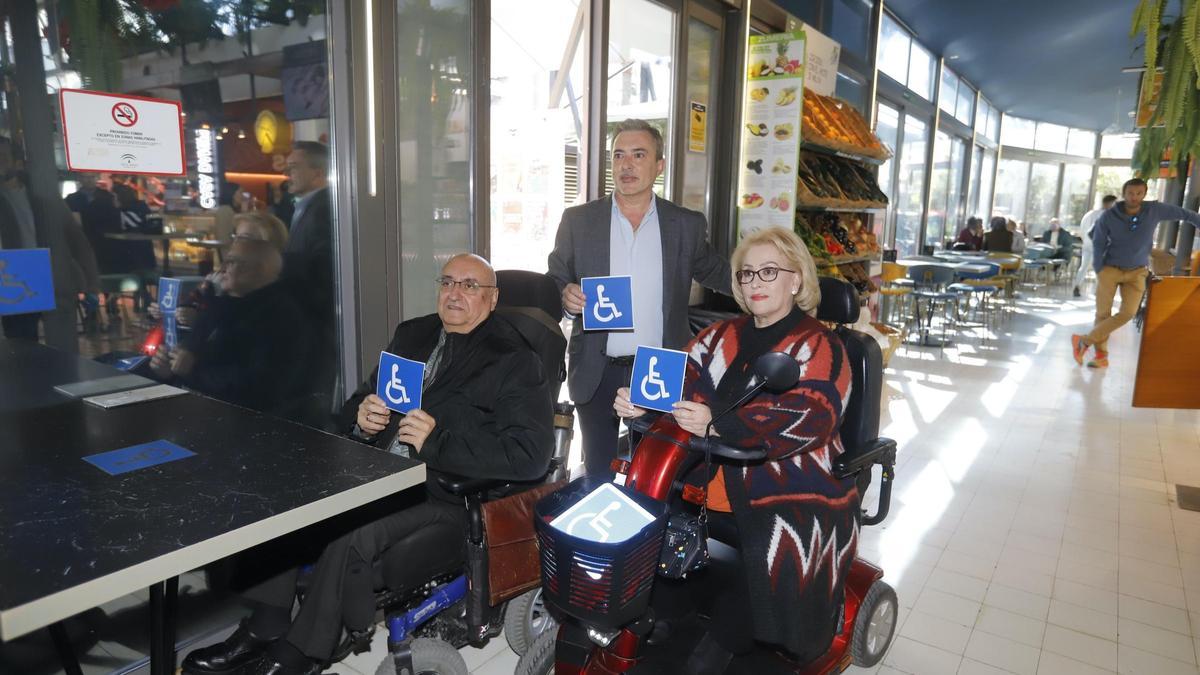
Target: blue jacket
[(1121, 240)]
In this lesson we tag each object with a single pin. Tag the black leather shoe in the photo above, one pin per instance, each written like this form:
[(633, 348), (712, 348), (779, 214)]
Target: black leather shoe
[(269, 666), (234, 656)]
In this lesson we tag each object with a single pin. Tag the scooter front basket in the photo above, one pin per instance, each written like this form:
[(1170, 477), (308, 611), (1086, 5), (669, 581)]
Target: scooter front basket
[(603, 584)]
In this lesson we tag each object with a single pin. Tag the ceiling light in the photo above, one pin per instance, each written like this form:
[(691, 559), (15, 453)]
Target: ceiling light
[(241, 133)]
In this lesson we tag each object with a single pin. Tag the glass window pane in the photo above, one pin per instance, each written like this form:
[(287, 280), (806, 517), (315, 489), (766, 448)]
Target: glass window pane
[(1051, 137), (537, 164), (966, 103), (1012, 181), (1077, 178), (852, 90), (911, 182), (851, 25), (920, 72), (939, 177), (1117, 146), (983, 208), (954, 188), (993, 131), (948, 96), (435, 176), (1043, 191), (973, 188), (1081, 142), (887, 128), (893, 50), (1018, 132), (703, 52), (640, 71), (263, 125)]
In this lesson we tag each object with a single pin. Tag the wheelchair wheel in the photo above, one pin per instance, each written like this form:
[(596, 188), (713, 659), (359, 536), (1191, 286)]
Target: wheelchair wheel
[(525, 619), (539, 660), (430, 657), (874, 625)]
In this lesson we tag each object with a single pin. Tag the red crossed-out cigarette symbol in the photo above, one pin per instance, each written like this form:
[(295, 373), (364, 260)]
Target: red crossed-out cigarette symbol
[(124, 114)]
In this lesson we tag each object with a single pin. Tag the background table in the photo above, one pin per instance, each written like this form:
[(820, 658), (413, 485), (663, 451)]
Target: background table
[(73, 537), (165, 238)]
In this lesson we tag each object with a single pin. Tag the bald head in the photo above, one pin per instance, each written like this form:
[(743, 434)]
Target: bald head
[(467, 293), (250, 265)]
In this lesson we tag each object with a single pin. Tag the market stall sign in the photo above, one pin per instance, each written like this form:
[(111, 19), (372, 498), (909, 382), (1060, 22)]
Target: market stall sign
[(206, 167), (821, 56), (117, 132)]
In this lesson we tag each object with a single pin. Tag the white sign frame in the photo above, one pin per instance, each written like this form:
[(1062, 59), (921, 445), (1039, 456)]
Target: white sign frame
[(97, 138)]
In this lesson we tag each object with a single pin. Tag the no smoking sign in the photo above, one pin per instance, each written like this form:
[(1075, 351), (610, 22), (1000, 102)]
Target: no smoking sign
[(124, 114)]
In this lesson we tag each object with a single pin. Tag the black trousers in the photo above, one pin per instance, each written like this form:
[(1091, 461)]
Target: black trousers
[(599, 425), (341, 587)]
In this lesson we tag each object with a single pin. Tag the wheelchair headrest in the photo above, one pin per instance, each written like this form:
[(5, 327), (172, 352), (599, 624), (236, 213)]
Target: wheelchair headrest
[(521, 288), (839, 301)]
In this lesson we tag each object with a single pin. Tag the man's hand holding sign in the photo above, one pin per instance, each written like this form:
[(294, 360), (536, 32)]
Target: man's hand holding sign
[(398, 388)]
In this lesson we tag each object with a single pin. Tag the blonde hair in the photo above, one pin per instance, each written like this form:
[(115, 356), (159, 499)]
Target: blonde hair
[(272, 228), (795, 257)]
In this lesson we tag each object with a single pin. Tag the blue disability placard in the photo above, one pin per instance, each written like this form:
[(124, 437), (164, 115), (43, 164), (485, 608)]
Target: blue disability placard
[(400, 382), (117, 462), (657, 381), (168, 294), (26, 284), (609, 303), (170, 330)]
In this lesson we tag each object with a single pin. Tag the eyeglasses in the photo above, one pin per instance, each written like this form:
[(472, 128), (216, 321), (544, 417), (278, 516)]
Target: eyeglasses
[(468, 286), (767, 274), (1133, 223)]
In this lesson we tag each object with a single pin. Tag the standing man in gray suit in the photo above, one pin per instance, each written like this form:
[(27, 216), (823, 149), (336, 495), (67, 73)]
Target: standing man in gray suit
[(662, 246)]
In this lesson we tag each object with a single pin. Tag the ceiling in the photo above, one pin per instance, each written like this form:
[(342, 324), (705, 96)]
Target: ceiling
[(1051, 60)]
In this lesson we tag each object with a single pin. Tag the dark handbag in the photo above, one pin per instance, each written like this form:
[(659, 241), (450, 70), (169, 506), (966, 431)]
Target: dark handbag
[(685, 546), (513, 563)]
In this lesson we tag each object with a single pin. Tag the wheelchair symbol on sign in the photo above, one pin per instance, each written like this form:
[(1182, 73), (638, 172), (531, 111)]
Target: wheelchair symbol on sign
[(144, 456), (653, 379), (168, 301), (396, 384), (20, 290), (597, 521), (603, 302)]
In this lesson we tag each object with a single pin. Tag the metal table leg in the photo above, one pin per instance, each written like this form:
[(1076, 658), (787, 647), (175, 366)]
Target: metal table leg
[(164, 599), (62, 644)]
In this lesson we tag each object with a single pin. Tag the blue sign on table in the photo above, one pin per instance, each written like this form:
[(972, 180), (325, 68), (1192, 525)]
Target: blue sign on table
[(117, 462), (131, 362), (26, 284), (170, 331), (168, 294), (400, 382), (657, 381), (609, 304)]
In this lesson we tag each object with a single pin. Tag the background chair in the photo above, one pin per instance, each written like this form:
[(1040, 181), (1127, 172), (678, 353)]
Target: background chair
[(930, 282)]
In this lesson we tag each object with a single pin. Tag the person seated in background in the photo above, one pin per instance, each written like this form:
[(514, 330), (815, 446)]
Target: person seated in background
[(1060, 239), (82, 196), (971, 236), (799, 607), (1018, 236), (486, 412), (999, 238), (256, 352)]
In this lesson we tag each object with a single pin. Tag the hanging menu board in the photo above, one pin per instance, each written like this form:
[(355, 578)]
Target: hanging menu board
[(771, 131)]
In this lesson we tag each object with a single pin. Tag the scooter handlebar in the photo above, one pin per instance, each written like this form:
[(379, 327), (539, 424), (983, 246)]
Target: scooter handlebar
[(719, 449)]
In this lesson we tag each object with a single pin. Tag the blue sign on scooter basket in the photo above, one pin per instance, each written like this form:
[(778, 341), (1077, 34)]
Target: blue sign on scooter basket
[(606, 515)]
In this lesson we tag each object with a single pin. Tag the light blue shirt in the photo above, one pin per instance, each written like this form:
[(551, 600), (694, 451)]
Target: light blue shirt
[(301, 204), (638, 255)]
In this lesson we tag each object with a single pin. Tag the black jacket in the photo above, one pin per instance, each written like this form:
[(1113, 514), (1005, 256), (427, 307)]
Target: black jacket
[(491, 402), (998, 241), (256, 354), (308, 257)]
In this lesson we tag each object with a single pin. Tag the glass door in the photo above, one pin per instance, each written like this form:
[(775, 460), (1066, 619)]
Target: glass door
[(701, 91)]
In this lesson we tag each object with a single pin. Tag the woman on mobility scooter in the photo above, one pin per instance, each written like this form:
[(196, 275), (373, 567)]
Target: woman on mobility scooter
[(792, 515)]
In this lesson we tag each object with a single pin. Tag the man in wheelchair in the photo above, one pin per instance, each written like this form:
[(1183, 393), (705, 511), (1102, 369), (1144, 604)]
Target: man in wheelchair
[(486, 412)]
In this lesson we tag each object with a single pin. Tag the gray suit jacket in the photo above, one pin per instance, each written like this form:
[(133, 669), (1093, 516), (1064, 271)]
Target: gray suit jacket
[(581, 249)]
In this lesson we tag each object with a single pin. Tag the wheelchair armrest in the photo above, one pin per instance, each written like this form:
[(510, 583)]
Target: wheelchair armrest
[(461, 486), (879, 451)]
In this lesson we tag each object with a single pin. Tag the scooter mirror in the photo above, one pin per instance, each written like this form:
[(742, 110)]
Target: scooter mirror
[(778, 371)]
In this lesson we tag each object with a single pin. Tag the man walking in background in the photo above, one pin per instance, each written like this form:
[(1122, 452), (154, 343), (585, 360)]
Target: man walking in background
[(1085, 236), (1121, 245)]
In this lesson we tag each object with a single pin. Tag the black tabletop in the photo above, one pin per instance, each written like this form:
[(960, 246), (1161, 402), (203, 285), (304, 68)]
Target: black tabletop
[(73, 536)]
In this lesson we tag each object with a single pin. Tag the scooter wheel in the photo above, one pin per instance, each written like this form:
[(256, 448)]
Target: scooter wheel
[(539, 660), (430, 657), (874, 625), (525, 619)]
